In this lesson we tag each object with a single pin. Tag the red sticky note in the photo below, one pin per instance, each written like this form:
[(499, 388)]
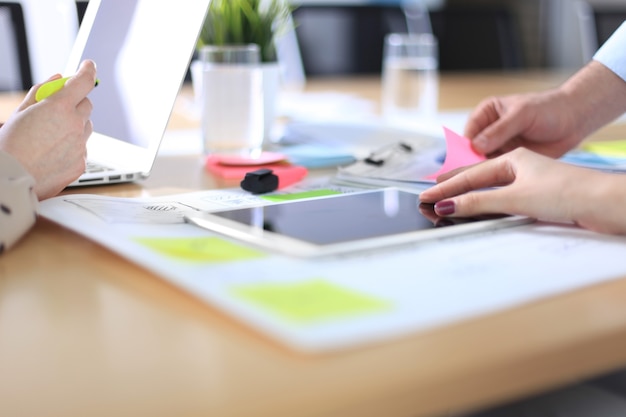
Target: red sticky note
[(287, 174), (459, 153)]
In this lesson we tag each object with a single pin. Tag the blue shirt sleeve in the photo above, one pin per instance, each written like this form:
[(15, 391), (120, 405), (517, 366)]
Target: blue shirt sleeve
[(613, 53)]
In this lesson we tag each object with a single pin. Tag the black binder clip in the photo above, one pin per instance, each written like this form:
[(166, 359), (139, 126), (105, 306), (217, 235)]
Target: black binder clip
[(260, 181), (379, 157)]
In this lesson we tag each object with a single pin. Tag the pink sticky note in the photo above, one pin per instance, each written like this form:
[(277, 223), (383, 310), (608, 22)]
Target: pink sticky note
[(264, 159), (459, 153), (287, 174)]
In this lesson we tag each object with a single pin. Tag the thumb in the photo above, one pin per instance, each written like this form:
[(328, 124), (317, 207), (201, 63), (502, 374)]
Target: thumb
[(497, 134)]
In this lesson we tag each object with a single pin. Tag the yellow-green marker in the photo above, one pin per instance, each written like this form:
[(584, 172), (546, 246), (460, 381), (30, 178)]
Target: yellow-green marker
[(51, 87)]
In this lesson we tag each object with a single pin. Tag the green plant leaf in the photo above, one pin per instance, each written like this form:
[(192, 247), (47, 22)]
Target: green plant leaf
[(247, 21)]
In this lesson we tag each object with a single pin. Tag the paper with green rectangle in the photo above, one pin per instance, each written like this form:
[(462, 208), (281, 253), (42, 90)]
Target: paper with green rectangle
[(310, 301), (200, 249), (277, 198)]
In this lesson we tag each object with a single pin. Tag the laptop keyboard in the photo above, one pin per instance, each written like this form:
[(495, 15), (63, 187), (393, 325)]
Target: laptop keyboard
[(92, 168)]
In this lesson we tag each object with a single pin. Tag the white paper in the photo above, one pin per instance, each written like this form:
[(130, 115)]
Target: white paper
[(424, 285)]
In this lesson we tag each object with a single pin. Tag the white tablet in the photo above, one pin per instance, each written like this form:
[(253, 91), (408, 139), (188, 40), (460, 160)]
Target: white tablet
[(343, 223)]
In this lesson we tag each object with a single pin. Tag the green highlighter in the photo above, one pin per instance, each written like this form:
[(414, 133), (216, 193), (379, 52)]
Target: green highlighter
[(51, 87)]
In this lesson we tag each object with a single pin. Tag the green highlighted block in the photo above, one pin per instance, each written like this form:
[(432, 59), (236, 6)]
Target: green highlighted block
[(310, 301), (277, 198), (200, 249), (615, 148)]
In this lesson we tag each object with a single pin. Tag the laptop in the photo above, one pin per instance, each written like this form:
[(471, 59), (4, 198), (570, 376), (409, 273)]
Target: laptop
[(142, 50)]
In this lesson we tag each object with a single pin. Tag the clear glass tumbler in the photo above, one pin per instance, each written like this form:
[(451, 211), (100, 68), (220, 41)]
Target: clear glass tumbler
[(410, 83), (232, 100)]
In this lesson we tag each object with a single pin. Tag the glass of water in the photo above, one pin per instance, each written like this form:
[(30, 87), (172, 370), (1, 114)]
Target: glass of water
[(410, 83), (232, 100)]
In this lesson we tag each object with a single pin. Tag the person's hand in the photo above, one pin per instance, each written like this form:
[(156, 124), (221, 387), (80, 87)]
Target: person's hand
[(536, 186), (551, 122), (49, 138), (543, 122)]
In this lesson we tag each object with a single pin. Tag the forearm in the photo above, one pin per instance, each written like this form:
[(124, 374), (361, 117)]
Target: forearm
[(597, 201), (598, 91), (597, 96)]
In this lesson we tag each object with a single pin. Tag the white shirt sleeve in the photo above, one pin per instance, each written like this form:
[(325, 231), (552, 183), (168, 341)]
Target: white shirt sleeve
[(18, 202), (613, 53)]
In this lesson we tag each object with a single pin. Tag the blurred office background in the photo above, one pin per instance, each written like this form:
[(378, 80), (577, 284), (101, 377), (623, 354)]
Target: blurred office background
[(473, 34), (337, 37)]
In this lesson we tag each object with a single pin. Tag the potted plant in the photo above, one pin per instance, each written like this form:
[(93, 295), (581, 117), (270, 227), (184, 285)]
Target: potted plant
[(260, 22)]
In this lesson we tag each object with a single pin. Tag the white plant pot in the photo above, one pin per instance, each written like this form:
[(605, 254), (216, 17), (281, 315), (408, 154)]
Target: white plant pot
[(271, 88)]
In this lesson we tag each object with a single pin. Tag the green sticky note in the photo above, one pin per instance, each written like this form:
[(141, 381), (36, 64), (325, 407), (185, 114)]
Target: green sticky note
[(299, 196), (616, 148), (310, 301), (200, 249)]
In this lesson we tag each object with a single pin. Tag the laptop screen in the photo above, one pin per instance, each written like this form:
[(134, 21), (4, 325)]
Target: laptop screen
[(142, 50)]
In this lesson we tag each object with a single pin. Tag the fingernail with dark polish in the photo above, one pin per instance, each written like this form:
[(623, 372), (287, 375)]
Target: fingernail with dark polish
[(444, 208)]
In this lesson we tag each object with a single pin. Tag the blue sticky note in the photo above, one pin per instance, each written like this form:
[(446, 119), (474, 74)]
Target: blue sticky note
[(317, 156)]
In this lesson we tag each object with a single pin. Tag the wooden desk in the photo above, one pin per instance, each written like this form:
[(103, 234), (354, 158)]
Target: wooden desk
[(86, 333)]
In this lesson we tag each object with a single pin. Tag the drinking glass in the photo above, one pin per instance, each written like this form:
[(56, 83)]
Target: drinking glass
[(232, 100), (410, 83)]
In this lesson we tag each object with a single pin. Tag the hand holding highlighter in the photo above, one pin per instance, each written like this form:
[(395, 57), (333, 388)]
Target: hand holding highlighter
[(51, 87)]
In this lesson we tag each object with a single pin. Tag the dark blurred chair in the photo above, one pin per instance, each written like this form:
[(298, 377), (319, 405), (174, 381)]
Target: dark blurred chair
[(597, 24), (344, 39), (472, 38), (607, 19), (14, 61), (348, 39), (36, 38), (81, 6)]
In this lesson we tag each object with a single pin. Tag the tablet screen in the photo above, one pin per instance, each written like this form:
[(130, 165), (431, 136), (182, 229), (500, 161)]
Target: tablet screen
[(346, 217)]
